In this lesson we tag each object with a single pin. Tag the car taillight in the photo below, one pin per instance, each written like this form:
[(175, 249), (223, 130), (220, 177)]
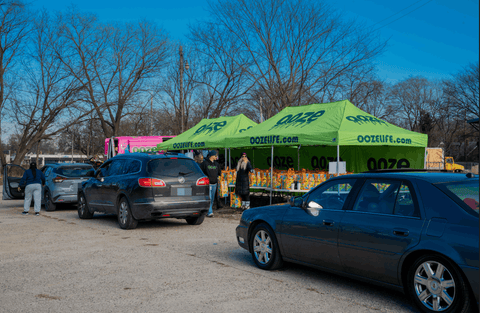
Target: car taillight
[(58, 179), (151, 182), (204, 181)]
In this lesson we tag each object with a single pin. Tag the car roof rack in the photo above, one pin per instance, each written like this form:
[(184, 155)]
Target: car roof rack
[(401, 170)]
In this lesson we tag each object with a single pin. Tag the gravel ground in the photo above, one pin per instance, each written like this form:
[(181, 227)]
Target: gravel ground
[(59, 263)]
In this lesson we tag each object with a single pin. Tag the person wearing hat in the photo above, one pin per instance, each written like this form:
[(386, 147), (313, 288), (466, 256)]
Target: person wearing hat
[(32, 181), (212, 170), (242, 185)]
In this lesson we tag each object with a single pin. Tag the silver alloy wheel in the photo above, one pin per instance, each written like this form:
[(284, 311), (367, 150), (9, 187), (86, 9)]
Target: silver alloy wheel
[(82, 205), (123, 212), (262, 247), (434, 286)]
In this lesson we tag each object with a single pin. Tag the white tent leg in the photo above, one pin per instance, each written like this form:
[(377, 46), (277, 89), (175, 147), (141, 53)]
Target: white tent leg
[(271, 176), (338, 157)]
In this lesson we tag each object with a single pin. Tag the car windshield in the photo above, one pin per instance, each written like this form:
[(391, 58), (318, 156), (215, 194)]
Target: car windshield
[(465, 191), (74, 171), (172, 167)]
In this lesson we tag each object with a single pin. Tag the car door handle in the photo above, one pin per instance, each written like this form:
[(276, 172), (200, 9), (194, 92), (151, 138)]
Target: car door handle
[(401, 232), (328, 222)]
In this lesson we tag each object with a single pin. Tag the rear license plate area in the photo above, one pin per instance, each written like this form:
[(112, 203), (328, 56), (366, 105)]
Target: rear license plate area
[(181, 192)]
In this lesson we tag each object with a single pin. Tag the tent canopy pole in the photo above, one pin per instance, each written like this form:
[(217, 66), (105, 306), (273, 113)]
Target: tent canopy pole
[(298, 157), (226, 159), (338, 157), (271, 176)]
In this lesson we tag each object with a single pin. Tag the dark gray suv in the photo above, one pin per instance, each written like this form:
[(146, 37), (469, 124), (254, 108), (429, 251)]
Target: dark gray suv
[(141, 187)]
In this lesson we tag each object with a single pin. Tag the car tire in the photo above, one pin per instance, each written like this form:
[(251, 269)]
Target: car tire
[(124, 215), (83, 209), (49, 204), (436, 284), (264, 248), (196, 220)]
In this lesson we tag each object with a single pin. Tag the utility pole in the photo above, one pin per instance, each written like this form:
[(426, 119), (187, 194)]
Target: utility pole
[(182, 100), (151, 115), (181, 86), (465, 137), (261, 115), (72, 145)]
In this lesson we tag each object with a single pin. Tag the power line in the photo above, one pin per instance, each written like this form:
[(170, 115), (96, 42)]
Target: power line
[(397, 13), (402, 15)]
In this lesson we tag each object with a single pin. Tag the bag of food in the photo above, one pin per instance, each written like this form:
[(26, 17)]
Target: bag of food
[(223, 188), (229, 177), (277, 181), (235, 200), (311, 181), (253, 179)]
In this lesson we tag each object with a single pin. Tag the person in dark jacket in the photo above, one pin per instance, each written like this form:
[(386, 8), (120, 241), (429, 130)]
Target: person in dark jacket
[(212, 170), (32, 181), (242, 185)]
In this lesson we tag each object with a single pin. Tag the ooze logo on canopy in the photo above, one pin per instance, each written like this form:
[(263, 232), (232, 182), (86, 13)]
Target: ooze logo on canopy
[(296, 120), (360, 119), (210, 129)]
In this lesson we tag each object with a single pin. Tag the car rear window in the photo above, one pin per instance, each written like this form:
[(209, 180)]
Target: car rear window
[(173, 167), (73, 171), (464, 191)]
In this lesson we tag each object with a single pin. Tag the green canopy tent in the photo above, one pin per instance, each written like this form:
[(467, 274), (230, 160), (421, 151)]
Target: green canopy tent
[(330, 125), (209, 133)]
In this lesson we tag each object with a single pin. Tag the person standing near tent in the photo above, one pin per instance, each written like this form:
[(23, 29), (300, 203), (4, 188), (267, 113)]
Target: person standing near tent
[(242, 185), (32, 181), (198, 158), (212, 170)]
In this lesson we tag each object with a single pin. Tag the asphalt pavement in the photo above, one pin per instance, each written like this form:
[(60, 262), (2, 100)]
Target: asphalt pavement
[(56, 262)]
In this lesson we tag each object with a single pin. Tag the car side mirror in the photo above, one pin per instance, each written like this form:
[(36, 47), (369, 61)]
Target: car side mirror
[(313, 208), (296, 202), (99, 175)]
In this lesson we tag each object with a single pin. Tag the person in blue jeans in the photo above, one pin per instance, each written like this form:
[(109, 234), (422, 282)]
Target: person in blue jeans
[(32, 181), (211, 169)]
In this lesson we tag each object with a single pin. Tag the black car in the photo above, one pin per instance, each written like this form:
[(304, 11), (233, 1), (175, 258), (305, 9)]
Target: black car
[(142, 187), (415, 232)]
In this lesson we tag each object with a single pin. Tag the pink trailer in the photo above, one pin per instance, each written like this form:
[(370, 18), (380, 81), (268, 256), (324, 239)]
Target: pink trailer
[(126, 144)]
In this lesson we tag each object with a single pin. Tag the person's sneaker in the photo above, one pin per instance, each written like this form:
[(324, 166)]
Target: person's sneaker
[(37, 213), (210, 215), (24, 213)]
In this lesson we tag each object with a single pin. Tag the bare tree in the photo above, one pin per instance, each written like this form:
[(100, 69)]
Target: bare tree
[(414, 96), (14, 27), (292, 49), (112, 61), (462, 90), (49, 102), (462, 93), (222, 81)]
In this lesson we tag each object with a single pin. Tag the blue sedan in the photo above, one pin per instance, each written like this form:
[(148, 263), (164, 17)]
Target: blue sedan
[(414, 231)]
